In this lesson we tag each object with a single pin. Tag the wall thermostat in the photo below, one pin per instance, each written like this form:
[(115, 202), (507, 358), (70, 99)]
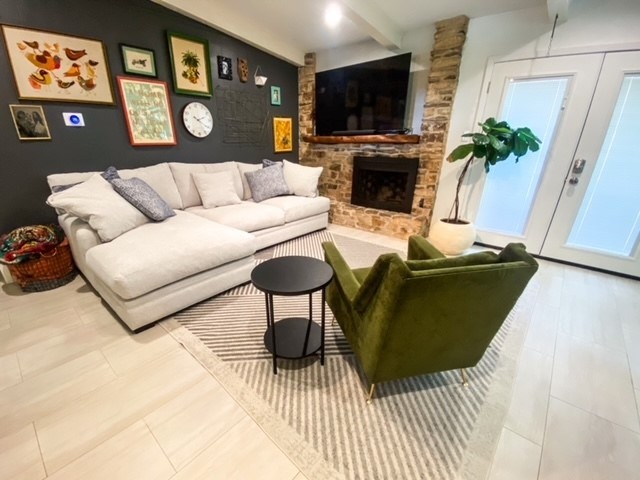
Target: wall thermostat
[(73, 119)]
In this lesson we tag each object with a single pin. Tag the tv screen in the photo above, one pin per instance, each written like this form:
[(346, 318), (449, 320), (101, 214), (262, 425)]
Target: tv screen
[(368, 97)]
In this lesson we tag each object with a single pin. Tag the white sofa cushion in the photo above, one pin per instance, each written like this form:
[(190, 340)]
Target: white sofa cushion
[(295, 207), (157, 254), (244, 168), (216, 189), (246, 216), (183, 176), (301, 180), (95, 202), (159, 177)]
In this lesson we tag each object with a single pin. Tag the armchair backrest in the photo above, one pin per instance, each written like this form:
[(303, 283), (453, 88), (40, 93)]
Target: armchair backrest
[(423, 316)]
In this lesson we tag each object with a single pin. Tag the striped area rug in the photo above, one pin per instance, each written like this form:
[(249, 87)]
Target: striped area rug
[(427, 427)]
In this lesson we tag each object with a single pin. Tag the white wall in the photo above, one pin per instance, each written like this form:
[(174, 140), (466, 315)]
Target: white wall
[(592, 26)]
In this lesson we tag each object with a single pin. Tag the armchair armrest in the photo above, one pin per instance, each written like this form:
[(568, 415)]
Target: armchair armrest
[(343, 275), (420, 248)]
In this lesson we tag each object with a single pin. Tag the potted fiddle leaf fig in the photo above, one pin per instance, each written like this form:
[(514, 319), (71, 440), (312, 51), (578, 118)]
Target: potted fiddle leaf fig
[(496, 143)]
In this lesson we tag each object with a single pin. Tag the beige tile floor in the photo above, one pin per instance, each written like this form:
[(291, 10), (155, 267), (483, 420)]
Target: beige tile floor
[(81, 398)]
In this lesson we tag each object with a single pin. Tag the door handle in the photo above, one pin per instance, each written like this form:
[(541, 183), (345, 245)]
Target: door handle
[(573, 181), (578, 165)]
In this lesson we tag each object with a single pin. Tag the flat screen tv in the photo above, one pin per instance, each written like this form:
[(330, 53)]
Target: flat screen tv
[(366, 98)]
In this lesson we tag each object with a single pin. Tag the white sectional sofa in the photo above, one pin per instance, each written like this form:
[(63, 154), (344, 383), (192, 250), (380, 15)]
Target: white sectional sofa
[(156, 268)]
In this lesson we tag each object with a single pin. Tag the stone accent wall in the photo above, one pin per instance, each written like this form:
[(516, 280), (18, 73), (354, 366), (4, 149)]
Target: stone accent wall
[(337, 160)]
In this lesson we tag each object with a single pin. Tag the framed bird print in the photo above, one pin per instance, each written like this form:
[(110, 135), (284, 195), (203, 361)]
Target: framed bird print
[(139, 61), (58, 67)]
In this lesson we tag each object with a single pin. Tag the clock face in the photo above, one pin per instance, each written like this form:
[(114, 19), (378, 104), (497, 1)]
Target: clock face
[(197, 119)]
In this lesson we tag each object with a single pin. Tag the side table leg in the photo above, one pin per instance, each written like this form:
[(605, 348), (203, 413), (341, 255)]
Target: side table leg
[(306, 336), (272, 323), (322, 329)]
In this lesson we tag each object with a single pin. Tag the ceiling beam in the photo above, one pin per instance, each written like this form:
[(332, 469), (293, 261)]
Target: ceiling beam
[(560, 8), (228, 18), (368, 17)]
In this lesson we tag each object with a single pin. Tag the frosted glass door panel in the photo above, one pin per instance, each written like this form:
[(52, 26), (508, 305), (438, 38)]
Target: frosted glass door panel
[(609, 217), (510, 188)]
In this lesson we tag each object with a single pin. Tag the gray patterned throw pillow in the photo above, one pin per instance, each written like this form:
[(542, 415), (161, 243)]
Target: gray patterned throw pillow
[(139, 194), (266, 183)]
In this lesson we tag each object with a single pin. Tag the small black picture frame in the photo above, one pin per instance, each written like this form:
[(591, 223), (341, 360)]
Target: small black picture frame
[(225, 65)]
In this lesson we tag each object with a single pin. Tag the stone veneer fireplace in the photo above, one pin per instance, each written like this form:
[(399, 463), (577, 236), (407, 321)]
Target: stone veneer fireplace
[(385, 183), (336, 155)]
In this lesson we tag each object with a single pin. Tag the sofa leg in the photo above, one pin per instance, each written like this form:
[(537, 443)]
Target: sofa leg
[(465, 380), (371, 390)]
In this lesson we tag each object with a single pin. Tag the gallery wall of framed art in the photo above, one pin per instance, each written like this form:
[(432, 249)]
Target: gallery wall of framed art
[(107, 40)]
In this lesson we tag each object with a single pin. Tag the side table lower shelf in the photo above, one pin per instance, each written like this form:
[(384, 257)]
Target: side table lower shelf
[(291, 341)]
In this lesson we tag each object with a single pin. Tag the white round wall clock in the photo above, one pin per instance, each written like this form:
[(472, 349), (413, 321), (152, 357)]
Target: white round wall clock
[(197, 119)]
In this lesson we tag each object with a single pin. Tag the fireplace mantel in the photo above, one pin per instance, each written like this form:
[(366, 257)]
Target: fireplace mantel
[(336, 139)]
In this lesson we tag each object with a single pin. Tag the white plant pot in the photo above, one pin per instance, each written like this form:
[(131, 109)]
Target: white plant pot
[(452, 238)]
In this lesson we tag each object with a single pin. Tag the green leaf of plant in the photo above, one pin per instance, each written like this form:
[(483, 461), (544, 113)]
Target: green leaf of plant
[(498, 145), (479, 151), (520, 146), (460, 152), (480, 139)]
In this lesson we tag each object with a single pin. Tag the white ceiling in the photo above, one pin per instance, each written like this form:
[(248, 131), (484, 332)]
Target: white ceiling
[(291, 28)]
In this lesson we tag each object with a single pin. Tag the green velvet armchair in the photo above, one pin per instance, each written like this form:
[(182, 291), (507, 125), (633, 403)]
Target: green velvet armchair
[(427, 314)]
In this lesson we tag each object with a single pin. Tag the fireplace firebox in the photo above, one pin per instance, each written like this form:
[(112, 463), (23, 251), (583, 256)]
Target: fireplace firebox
[(385, 183)]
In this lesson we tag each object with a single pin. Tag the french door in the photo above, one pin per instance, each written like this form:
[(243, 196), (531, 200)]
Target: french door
[(578, 198)]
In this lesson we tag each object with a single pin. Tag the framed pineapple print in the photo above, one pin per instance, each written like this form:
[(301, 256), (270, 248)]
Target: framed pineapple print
[(190, 64)]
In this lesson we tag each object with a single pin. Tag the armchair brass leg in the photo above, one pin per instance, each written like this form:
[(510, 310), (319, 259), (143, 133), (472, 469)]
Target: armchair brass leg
[(465, 380), (371, 390)]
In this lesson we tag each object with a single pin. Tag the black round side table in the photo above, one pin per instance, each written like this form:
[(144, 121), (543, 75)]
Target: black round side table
[(293, 337)]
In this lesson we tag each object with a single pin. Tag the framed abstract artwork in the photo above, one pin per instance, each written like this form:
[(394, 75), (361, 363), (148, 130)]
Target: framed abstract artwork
[(190, 64), (58, 67), (147, 111), (30, 122), (138, 61), (225, 68), (282, 134), (276, 98)]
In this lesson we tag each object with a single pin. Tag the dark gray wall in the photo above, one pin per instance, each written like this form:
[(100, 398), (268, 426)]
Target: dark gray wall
[(104, 141)]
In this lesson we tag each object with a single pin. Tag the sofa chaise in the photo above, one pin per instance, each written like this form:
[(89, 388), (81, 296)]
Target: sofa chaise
[(145, 269)]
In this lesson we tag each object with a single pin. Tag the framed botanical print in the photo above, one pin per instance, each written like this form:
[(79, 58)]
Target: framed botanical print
[(147, 111), (30, 122), (276, 98), (190, 64), (224, 68), (282, 134), (58, 67), (139, 61)]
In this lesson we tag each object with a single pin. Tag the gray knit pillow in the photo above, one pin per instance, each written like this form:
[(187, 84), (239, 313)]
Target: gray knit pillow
[(139, 194), (266, 183)]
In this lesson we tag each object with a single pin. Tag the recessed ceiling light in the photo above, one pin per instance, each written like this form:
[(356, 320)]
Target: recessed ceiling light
[(332, 15)]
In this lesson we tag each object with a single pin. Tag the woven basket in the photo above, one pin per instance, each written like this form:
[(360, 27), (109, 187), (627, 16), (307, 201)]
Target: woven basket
[(51, 270)]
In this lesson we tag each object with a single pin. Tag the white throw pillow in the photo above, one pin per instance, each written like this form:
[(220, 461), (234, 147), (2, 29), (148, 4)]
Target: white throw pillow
[(243, 168), (216, 189), (302, 181), (96, 202)]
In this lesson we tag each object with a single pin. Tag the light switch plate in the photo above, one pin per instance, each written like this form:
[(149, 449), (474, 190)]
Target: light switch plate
[(73, 119)]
